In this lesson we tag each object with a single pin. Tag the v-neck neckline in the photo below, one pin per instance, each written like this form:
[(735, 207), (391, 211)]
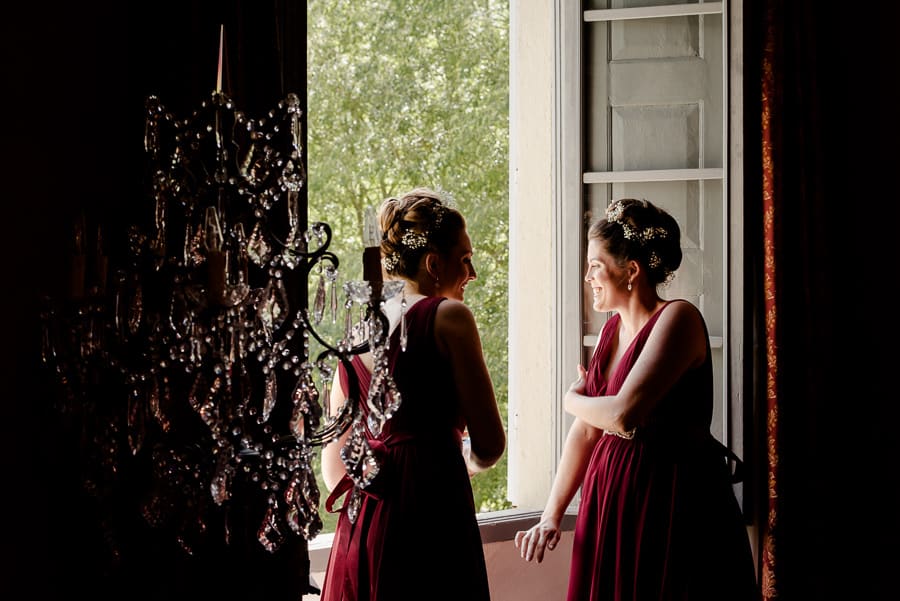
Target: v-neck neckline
[(629, 349)]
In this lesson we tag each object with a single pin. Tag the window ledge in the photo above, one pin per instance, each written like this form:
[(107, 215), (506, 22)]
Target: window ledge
[(495, 526)]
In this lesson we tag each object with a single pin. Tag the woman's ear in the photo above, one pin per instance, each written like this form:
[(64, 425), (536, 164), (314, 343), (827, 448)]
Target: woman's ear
[(633, 269), (432, 264)]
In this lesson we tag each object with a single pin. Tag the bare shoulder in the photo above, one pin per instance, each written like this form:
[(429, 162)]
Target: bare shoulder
[(454, 325), (452, 312), (681, 322), (682, 311)]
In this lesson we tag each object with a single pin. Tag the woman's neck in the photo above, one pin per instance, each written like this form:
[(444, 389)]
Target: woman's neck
[(638, 313), (411, 294)]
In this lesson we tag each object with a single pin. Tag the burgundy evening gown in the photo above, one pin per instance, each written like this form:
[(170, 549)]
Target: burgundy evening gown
[(658, 518), (416, 536)]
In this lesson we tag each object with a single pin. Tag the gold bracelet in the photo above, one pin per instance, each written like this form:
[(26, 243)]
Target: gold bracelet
[(626, 435)]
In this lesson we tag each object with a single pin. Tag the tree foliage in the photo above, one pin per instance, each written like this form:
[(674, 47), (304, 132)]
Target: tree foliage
[(404, 94)]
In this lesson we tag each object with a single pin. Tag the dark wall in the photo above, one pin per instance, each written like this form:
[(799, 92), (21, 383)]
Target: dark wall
[(65, 140), (75, 79)]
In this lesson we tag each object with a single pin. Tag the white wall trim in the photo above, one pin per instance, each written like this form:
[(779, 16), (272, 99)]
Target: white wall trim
[(533, 290), (652, 12)]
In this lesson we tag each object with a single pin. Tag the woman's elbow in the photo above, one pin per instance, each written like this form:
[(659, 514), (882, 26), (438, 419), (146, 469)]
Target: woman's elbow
[(488, 453), (625, 422)]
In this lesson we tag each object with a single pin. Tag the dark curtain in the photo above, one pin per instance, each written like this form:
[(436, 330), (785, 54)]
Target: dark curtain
[(822, 129), (75, 79)]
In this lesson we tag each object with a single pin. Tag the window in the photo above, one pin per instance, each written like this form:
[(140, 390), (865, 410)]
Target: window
[(590, 86)]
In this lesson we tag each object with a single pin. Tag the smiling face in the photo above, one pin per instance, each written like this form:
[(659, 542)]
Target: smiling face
[(606, 279), (455, 269)]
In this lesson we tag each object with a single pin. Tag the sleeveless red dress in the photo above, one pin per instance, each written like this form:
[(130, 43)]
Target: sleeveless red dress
[(658, 518), (416, 536)]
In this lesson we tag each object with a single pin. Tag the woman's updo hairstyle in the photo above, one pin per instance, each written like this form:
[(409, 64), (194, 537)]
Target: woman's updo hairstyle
[(639, 230), (414, 224)]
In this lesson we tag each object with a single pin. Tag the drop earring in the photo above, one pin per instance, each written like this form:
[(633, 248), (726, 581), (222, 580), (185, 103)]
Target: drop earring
[(629, 286)]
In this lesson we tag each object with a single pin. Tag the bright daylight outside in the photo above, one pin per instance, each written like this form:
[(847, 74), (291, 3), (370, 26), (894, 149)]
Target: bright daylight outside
[(404, 94)]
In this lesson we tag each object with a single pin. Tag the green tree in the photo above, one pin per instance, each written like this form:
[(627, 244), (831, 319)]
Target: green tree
[(403, 94)]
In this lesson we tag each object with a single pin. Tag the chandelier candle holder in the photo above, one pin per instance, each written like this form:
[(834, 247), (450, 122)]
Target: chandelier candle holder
[(198, 354)]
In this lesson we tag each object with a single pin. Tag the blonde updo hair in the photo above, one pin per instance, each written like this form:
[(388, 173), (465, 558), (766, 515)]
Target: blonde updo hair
[(413, 224)]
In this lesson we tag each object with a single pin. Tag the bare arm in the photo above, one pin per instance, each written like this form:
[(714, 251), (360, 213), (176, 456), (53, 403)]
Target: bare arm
[(676, 344), (572, 465), (458, 340), (332, 467)]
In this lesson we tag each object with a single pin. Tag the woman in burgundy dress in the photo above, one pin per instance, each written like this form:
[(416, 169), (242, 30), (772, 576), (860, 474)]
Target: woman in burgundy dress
[(657, 519), (412, 532)]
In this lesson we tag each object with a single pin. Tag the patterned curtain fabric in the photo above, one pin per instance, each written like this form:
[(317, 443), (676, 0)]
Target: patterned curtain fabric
[(770, 114), (794, 231)]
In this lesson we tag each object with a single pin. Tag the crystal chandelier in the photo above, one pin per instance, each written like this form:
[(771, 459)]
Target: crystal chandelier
[(196, 352)]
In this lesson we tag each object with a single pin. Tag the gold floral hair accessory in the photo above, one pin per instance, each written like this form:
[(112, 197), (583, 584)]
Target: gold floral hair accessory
[(614, 211), (614, 215), (390, 262), (439, 211), (413, 239)]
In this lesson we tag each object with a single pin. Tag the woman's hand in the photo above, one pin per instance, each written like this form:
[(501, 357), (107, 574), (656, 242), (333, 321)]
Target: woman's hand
[(578, 385), (532, 542)]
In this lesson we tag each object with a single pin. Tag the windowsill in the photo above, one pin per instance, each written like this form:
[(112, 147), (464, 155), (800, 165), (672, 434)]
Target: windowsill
[(495, 526)]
